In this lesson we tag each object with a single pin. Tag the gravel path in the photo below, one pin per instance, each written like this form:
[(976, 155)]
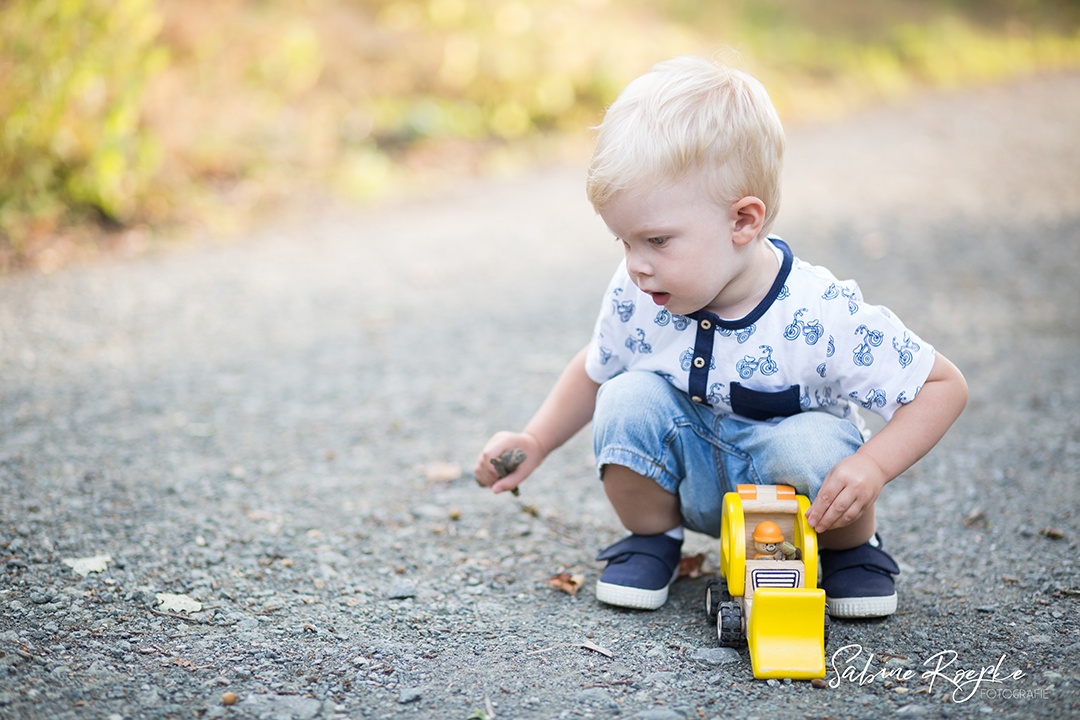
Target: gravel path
[(271, 428)]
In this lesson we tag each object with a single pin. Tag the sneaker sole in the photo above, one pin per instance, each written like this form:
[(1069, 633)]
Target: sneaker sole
[(864, 607), (636, 598)]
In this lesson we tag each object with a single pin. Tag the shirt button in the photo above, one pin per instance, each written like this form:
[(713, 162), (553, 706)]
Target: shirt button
[(696, 399), (705, 324), (699, 362)]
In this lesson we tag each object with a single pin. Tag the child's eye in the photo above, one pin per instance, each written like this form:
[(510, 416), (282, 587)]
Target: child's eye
[(657, 240)]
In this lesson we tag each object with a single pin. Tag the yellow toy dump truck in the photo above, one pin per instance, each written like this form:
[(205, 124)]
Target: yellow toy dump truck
[(768, 592)]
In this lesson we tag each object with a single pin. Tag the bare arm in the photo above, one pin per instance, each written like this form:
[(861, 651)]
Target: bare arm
[(568, 408), (854, 483)]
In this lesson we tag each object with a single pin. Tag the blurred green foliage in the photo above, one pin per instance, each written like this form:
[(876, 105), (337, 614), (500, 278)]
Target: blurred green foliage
[(72, 76), (206, 111)]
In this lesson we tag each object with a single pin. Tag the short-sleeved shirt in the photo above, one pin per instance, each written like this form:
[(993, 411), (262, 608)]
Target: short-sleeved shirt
[(812, 343)]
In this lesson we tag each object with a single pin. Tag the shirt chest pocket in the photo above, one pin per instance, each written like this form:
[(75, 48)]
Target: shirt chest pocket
[(759, 405)]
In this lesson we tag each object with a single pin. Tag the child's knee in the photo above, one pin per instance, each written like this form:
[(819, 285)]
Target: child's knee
[(632, 401), (807, 446), (635, 423)]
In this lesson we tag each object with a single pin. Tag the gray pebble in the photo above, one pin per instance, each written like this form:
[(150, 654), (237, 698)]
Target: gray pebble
[(594, 696), (667, 678), (401, 589), (408, 695), (715, 656), (300, 708), (99, 667), (659, 713)]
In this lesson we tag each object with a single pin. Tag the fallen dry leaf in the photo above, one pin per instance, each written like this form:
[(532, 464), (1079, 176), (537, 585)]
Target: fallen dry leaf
[(975, 517), (178, 603), (690, 566), (87, 565), (596, 648), (567, 583), (441, 471)]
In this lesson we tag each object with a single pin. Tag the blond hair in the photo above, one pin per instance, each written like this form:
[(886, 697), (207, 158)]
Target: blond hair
[(691, 113)]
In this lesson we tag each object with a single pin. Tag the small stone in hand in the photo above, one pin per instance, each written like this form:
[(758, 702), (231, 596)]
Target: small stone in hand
[(507, 463)]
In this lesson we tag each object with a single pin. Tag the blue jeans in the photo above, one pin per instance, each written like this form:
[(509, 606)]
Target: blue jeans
[(644, 423)]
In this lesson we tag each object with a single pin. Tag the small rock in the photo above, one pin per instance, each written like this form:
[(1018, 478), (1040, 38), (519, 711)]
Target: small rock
[(401, 589), (819, 683), (408, 695), (659, 713), (716, 655), (594, 696), (772, 682), (229, 698), (662, 677), (99, 667), (295, 706), (247, 624)]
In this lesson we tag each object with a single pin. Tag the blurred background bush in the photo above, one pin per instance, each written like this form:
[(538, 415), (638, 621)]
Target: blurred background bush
[(124, 116)]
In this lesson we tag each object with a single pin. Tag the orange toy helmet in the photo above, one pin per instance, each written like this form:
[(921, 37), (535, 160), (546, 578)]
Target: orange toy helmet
[(768, 532)]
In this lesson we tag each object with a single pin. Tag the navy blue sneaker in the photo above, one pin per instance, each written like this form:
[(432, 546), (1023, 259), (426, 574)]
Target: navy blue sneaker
[(639, 572), (858, 582)]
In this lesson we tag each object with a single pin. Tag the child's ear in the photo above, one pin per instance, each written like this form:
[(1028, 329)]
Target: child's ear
[(749, 215)]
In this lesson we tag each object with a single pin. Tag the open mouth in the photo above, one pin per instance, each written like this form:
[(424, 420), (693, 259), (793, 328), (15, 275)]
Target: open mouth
[(660, 298)]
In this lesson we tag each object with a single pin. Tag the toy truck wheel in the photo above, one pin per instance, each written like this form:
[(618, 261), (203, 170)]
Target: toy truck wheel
[(716, 592), (729, 624)]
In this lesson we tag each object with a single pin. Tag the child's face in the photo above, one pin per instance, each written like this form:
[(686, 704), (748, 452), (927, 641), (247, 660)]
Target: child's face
[(680, 247)]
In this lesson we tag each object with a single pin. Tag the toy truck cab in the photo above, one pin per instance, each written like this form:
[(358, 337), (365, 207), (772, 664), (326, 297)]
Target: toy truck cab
[(768, 594)]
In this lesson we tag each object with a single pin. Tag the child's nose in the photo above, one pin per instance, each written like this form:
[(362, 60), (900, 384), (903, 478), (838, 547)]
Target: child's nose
[(637, 265)]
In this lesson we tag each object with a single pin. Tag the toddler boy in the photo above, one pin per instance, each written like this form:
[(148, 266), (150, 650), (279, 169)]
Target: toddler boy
[(720, 358)]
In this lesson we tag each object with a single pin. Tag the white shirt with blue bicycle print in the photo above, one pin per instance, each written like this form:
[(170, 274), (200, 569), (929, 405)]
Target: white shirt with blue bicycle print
[(812, 344)]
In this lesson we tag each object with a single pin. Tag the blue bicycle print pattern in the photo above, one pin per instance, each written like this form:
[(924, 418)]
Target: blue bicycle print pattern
[(824, 397), (664, 318), (715, 397), (834, 291), (741, 335), (902, 398), (749, 365), (872, 338), (638, 344), (905, 351), (686, 360), (624, 309), (810, 331), (874, 398)]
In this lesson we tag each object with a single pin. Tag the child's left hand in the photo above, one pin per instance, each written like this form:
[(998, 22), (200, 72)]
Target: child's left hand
[(849, 490)]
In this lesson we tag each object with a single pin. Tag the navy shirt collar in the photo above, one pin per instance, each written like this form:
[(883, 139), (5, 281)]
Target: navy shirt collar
[(766, 302)]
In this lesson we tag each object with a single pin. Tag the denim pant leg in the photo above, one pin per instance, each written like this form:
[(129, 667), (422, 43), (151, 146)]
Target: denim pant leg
[(645, 424)]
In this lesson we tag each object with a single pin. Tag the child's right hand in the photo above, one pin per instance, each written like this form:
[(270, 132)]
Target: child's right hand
[(499, 443)]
